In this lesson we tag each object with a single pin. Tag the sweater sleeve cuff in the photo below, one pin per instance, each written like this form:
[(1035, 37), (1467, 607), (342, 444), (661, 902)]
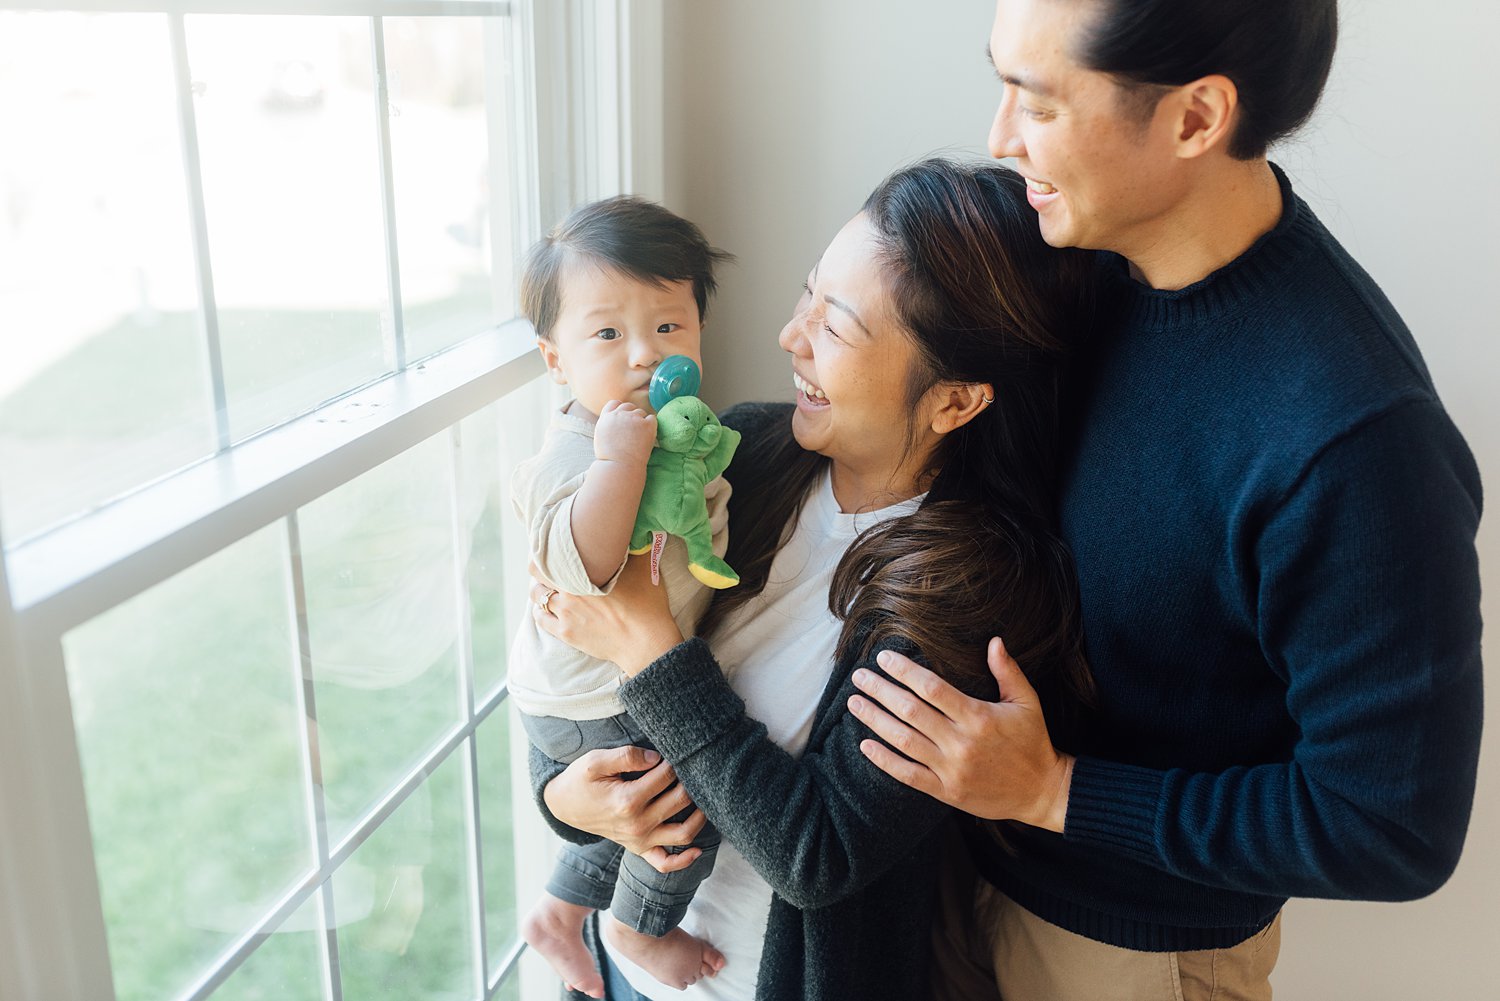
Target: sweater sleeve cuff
[(544, 770), (682, 700), (1114, 806)]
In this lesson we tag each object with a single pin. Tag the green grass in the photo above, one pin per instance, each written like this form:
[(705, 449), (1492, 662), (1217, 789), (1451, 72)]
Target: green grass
[(414, 941), (496, 836), (184, 703), (186, 697), (132, 402), (186, 707)]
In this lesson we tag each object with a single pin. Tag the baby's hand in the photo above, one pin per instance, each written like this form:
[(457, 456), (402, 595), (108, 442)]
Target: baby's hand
[(625, 433)]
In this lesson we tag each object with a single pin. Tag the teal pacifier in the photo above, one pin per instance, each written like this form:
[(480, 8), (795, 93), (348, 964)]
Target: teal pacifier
[(677, 375)]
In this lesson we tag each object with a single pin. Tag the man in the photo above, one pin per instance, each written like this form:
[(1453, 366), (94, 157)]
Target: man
[(1273, 520)]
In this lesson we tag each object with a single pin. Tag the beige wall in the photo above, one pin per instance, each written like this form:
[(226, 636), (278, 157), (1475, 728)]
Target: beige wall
[(781, 115)]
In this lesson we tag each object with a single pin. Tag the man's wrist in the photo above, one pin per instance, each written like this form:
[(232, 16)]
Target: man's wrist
[(550, 790), (1054, 814)]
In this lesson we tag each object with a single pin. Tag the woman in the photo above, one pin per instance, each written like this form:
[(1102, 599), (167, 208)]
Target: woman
[(906, 502)]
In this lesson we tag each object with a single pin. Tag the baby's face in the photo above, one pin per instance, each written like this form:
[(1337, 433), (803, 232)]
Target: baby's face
[(613, 331)]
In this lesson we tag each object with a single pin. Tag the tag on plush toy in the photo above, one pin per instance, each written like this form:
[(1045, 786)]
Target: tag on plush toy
[(658, 543)]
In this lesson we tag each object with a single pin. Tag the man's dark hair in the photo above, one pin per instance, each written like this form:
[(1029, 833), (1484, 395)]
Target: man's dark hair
[(1277, 52), (625, 234)]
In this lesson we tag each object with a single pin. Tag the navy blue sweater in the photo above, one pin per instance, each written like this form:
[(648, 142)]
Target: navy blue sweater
[(1273, 520)]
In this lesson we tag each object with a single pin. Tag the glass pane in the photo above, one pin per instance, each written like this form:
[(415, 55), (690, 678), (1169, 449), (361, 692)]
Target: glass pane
[(514, 423), (291, 178), (510, 990), (496, 838), (383, 617), (185, 701), (440, 162), (486, 507), (288, 966), (411, 937), (103, 386)]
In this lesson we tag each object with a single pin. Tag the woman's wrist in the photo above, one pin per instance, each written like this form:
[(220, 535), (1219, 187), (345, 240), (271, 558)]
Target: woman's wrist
[(654, 643)]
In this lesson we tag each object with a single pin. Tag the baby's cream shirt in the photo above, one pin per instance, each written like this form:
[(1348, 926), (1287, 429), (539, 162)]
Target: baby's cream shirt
[(546, 676)]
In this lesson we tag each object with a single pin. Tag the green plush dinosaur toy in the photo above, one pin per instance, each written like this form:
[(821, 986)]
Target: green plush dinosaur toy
[(692, 448)]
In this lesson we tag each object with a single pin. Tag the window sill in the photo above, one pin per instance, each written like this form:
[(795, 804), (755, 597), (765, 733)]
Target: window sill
[(81, 568)]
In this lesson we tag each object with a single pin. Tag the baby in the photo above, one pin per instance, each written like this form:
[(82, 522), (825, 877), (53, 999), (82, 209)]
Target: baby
[(618, 287)]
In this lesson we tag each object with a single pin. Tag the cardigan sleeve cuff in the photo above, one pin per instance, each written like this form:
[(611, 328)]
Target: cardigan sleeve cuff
[(1115, 806), (682, 700)]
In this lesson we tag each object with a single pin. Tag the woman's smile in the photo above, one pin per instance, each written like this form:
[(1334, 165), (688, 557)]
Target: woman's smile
[(808, 395), (852, 366)]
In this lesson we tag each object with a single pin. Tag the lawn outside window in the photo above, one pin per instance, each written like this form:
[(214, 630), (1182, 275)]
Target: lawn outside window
[(266, 385)]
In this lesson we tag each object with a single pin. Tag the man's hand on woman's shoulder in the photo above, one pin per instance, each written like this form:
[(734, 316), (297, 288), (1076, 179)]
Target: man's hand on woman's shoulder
[(994, 760)]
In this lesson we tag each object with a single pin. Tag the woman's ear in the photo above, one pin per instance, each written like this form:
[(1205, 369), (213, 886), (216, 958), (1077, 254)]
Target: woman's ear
[(959, 403)]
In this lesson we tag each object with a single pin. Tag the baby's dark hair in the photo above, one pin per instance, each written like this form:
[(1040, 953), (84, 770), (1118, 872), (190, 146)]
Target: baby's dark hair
[(625, 234)]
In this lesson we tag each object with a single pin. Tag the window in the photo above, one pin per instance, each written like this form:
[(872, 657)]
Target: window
[(203, 201), (263, 389)]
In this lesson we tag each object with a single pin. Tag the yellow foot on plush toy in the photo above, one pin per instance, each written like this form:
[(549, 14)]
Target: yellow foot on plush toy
[(636, 552), (714, 577)]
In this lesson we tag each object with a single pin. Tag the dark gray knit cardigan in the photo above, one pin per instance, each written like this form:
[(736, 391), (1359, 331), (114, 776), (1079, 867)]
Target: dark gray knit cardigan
[(850, 853)]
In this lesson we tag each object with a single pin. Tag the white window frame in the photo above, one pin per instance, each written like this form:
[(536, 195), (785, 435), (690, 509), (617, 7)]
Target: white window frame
[(590, 125)]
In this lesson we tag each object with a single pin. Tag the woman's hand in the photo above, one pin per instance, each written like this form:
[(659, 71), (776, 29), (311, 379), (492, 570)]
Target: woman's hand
[(990, 759), (594, 794), (631, 626)]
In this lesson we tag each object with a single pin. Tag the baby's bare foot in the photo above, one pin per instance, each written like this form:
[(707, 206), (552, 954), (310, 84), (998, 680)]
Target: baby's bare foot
[(554, 928), (677, 959)]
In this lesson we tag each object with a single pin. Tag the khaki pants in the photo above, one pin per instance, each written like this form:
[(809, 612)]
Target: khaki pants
[(988, 947)]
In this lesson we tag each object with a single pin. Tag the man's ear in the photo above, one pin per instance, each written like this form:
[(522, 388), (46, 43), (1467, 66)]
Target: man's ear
[(1204, 114), (553, 362), (959, 403)]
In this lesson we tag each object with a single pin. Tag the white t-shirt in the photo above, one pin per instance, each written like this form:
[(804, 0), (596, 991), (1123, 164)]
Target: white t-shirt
[(777, 651)]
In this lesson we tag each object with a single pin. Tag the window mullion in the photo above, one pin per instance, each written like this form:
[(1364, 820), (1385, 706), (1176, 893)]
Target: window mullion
[(328, 943), (394, 329), (193, 169), (507, 968), (318, 882), (242, 948), (511, 183), (462, 544)]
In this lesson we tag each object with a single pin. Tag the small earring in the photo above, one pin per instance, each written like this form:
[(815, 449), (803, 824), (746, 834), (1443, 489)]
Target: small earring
[(986, 399)]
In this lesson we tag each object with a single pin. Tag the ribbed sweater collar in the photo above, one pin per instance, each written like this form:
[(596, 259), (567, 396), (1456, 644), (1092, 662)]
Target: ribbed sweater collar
[(1260, 269)]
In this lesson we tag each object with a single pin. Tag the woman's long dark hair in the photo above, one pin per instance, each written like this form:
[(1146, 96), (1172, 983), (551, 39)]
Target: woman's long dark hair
[(984, 300)]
